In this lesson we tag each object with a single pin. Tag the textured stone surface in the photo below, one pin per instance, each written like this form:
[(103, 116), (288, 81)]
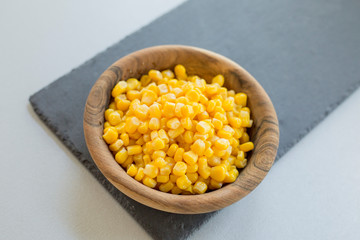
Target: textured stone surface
[(304, 53)]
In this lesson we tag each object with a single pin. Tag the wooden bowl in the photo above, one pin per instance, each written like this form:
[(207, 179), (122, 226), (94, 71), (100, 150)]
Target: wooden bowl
[(206, 64)]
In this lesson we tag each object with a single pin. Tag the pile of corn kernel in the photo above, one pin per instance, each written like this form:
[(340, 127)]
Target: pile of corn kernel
[(177, 133)]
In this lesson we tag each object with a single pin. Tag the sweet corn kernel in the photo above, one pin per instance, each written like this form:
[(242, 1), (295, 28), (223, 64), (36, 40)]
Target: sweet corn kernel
[(151, 170), (154, 124), (111, 135), (162, 178), (218, 173), (143, 128), (179, 169), (158, 154), (244, 138), (160, 162), (132, 170), (246, 147), (215, 184), (173, 133), (166, 187), (168, 74), (155, 75), (125, 138), (121, 156), (200, 187), (132, 123), (148, 97), (222, 143), (219, 79), (132, 83), (176, 190), (119, 88), (203, 127), (114, 118), (240, 163), (158, 143), (228, 104), (151, 183), (165, 170), (135, 149), (155, 111), (140, 174), (198, 147), (212, 89), (192, 168), (241, 99), (115, 146), (180, 72), (193, 177), (173, 123), (183, 182), (190, 157)]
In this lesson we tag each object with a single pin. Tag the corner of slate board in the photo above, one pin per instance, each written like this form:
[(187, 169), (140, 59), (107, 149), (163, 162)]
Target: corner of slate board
[(305, 55)]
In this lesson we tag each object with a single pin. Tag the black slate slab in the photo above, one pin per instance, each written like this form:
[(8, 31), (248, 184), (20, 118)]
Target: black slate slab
[(306, 54)]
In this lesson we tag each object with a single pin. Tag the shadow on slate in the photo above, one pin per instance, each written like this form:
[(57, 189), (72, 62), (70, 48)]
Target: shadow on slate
[(306, 54)]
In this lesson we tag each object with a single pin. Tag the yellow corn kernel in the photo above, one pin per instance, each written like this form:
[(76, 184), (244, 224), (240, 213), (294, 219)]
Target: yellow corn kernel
[(154, 124), (158, 154), (169, 109), (106, 125), (202, 115), (142, 112), (245, 118), (214, 161), (203, 127), (114, 118), (138, 159), (154, 134), (119, 88), (168, 74), (244, 138), (240, 163), (132, 170), (193, 177), (211, 106), (186, 123), (219, 79), (187, 111), (121, 156), (148, 97), (240, 99), (111, 135), (222, 143), (140, 174), (190, 157), (166, 187), (198, 147), (120, 128), (215, 184), (173, 133), (162, 178), (178, 109), (235, 122), (151, 183), (112, 105), (212, 89), (208, 152), (172, 149), (223, 92), (218, 124), (132, 123), (155, 75), (134, 149), (173, 178), (203, 137), (160, 162), (107, 113), (122, 104), (115, 146), (146, 159), (163, 135), (228, 104), (133, 94), (127, 162), (204, 171), (221, 117), (224, 134), (154, 111), (176, 190), (203, 99), (180, 72), (173, 123), (239, 132), (125, 138), (132, 84), (151, 170), (183, 182), (231, 176), (179, 169), (143, 128), (246, 147), (218, 173), (199, 187), (219, 152), (145, 80), (158, 143), (193, 95), (165, 170), (189, 137)]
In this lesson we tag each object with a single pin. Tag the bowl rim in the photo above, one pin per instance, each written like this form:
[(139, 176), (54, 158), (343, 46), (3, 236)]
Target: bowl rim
[(259, 163)]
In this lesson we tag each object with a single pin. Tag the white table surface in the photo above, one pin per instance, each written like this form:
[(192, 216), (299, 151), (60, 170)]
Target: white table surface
[(313, 192)]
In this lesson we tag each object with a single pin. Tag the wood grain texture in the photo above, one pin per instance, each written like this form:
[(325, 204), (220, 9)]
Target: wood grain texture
[(264, 133)]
